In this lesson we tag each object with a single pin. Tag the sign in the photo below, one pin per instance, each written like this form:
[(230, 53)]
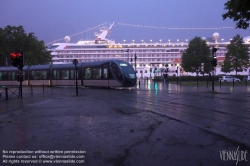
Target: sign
[(75, 62)]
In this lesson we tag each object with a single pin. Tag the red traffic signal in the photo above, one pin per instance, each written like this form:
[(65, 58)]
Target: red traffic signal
[(17, 59), (13, 55)]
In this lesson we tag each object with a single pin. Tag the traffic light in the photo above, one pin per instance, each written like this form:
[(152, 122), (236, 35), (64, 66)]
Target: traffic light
[(17, 59), (13, 57), (214, 49), (20, 78), (214, 63)]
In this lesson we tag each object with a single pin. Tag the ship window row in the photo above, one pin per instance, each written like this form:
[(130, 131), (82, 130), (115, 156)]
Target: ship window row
[(138, 60), (153, 46), (119, 51), (80, 47), (115, 56)]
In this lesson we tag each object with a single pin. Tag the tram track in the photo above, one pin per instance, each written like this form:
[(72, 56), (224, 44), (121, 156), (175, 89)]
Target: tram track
[(229, 124)]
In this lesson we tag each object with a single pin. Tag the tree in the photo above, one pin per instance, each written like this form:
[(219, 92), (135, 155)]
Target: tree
[(226, 66), (197, 52), (237, 56), (14, 38), (239, 11)]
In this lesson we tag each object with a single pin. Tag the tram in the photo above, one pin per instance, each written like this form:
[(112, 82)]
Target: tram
[(107, 73)]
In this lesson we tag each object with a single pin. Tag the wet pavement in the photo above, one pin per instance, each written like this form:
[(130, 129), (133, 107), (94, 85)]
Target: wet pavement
[(151, 124)]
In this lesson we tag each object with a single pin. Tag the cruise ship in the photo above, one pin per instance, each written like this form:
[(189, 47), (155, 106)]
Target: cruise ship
[(144, 57)]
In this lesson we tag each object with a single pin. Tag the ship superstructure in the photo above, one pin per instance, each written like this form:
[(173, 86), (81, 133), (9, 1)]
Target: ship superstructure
[(145, 57)]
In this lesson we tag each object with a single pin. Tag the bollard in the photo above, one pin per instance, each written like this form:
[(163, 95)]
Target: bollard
[(220, 83), (31, 89), (19, 91), (6, 94), (139, 83), (43, 87)]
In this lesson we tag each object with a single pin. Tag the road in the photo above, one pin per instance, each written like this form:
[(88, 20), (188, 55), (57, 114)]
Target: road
[(151, 124)]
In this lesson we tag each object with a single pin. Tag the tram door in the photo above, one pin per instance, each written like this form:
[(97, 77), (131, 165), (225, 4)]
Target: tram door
[(105, 77)]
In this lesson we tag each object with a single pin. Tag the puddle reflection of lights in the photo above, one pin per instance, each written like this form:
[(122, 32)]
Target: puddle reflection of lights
[(149, 85), (156, 87)]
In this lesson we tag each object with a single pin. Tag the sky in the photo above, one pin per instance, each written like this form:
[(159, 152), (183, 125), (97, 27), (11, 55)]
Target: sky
[(51, 20)]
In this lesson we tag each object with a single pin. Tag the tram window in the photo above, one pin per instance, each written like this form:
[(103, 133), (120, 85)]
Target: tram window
[(105, 73), (39, 75), (88, 73), (56, 74), (13, 75), (65, 74), (116, 71), (126, 68), (97, 73), (72, 74), (3, 76)]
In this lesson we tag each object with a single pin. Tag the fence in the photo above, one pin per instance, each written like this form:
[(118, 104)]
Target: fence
[(9, 92)]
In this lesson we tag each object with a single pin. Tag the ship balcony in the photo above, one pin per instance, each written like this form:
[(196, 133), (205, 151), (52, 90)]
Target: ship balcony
[(53, 53), (55, 58)]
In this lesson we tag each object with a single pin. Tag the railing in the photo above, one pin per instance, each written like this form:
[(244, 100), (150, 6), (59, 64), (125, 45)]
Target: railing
[(9, 92)]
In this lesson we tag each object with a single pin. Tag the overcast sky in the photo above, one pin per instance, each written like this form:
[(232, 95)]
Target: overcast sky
[(54, 19)]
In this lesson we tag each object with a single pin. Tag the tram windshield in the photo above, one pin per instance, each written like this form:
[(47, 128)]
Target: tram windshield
[(127, 70)]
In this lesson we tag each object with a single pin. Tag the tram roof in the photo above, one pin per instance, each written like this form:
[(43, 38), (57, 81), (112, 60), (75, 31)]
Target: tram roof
[(11, 68)]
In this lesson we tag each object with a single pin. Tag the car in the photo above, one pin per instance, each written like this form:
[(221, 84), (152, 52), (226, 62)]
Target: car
[(229, 79), (247, 78)]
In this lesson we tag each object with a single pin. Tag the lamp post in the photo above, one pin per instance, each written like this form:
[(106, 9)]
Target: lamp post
[(135, 61), (127, 52)]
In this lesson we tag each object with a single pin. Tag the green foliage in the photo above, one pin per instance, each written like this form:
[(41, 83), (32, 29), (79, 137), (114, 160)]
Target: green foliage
[(14, 38), (236, 57), (226, 66), (197, 52), (238, 10)]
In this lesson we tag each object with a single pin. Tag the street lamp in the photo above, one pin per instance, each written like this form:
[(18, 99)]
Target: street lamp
[(141, 41), (151, 40), (135, 62), (127, 52), (124, 41), (160, 40)]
